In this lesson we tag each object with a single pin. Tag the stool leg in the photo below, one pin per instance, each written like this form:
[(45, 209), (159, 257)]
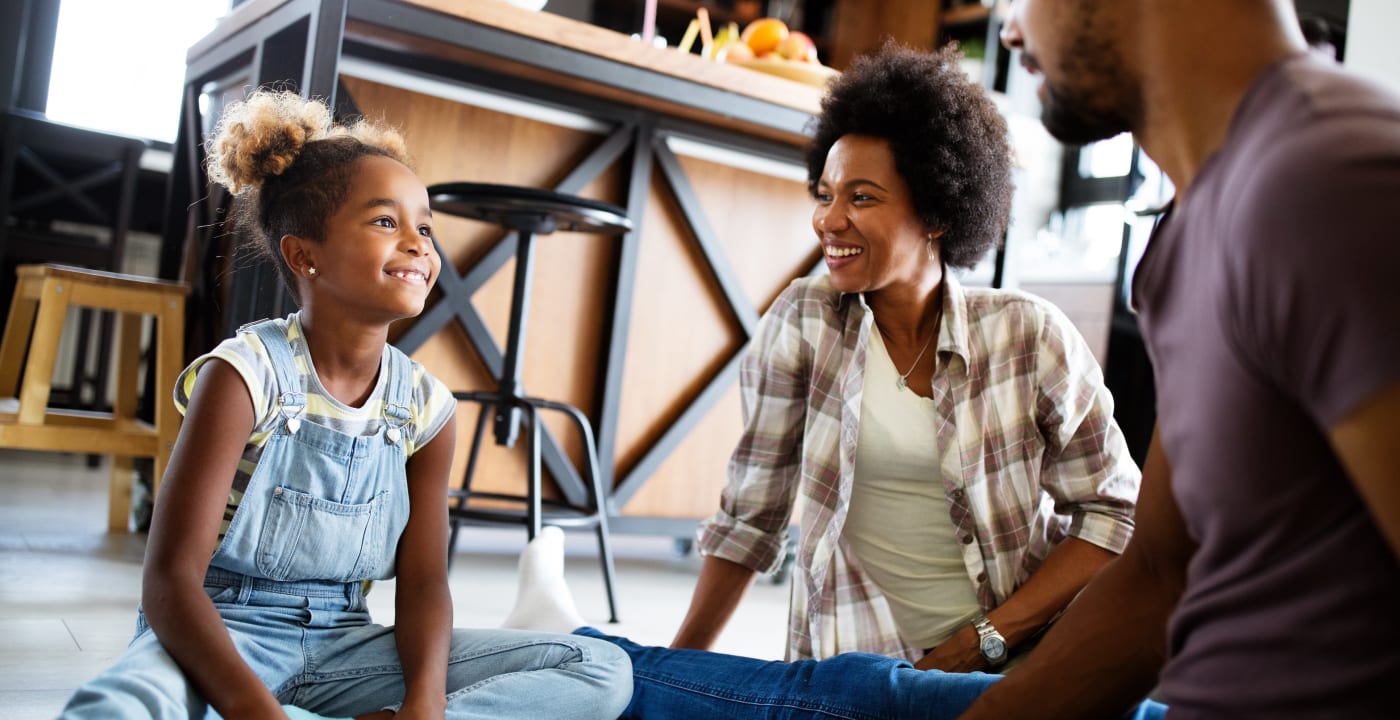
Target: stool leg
[(119, 487), (170, 350), (43, 351), (532, 491), (105, 331), (599, 493), (454, 523), (79, 379), (124, 413), (600, 503), (509, 386), (17, 329), (128, 364), (606, 557)]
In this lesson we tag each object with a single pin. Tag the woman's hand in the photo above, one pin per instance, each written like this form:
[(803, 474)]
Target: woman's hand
[(960, 653)]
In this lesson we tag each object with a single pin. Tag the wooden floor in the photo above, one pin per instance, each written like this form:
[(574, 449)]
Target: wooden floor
[(69, 590)]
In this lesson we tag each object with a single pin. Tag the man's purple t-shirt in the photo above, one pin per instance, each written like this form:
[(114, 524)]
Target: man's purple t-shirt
[(1270, 300)]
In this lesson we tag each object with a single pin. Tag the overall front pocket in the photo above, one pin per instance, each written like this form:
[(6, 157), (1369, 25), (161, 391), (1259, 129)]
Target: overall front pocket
[(305, 537)]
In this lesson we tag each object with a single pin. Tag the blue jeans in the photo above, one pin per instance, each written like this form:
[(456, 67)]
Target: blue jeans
[(685, 684), (314, 647)]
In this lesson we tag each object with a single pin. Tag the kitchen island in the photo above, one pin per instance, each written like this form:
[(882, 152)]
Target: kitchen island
[(642, 332)]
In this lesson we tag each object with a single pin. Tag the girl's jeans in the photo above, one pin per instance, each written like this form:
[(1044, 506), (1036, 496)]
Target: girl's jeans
[(313, 645)]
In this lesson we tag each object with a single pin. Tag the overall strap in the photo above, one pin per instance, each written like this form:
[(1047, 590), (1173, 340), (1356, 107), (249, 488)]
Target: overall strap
[(291, 400), (398, 395)]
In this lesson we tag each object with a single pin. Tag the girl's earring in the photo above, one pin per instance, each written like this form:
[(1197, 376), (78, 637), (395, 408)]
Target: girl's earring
[(929, 247), (311, 271)]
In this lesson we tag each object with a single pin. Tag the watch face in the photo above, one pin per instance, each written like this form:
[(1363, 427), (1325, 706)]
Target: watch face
[(993, 649)]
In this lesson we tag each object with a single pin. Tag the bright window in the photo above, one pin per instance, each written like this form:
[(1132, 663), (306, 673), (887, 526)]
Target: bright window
[(120, 66)]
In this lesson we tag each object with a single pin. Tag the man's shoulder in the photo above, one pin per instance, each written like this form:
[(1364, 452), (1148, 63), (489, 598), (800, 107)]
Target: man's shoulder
[(1314, 142), (1331, 91), (1311, 119)]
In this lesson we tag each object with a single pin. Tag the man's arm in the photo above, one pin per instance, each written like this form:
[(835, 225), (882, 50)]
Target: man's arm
[(1366, 443), (1104, 655)]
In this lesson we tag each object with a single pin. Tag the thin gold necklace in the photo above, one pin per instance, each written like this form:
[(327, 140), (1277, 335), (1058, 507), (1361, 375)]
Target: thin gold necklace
[(903, 381)]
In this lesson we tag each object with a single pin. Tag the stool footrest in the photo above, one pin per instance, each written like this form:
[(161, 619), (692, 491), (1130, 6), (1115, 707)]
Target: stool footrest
[(29, 349), (552, 512), (129, 441)]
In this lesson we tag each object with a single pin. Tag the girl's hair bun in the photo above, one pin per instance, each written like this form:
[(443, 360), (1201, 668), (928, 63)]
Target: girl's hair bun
[(261, 136)]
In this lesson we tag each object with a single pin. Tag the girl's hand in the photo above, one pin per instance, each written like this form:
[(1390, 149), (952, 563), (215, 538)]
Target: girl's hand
[(426, 709)]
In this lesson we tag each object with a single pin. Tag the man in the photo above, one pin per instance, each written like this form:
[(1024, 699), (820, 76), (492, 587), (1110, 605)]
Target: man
[(1263, 579)]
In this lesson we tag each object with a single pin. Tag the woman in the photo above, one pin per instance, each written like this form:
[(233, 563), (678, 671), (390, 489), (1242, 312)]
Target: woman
[(960, 473)]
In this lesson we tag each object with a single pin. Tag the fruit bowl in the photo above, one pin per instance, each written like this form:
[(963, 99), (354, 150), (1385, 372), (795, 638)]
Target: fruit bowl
[(803, 72)]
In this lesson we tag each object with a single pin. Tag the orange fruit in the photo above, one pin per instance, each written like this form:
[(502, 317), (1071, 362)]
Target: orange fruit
[(764, 35)]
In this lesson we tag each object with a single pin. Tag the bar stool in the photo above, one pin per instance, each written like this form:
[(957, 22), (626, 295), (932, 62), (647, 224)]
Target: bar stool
[(42, 297), (529, 212)]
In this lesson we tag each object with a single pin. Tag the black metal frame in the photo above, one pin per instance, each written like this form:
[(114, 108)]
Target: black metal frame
[(298, 44)]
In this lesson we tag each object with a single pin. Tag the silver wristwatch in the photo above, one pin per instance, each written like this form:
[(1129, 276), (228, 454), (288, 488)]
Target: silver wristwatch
[(989, 641)]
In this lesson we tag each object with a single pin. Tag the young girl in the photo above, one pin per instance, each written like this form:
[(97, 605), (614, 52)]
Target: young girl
[(313, 457)]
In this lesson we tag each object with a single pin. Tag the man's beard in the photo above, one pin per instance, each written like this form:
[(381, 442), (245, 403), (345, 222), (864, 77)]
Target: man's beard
[(1075, 121), (1096, 98)]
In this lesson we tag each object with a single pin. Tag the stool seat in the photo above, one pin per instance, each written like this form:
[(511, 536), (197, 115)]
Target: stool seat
[(529, 212), (43, 295)]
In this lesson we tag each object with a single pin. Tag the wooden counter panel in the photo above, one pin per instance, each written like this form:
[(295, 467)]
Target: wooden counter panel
[(764, 222), (689, 482), (683, 330)]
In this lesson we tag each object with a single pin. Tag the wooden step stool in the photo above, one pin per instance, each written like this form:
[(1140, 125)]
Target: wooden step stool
[(42, 298)]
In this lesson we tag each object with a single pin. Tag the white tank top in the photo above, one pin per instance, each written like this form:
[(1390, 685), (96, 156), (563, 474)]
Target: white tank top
[(898, 524)]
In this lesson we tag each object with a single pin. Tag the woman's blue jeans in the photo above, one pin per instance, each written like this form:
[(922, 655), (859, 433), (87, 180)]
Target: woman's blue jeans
[(687, 684)]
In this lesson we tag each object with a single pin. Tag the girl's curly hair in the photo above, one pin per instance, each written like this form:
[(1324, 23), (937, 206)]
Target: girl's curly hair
[(948, 140), (289, 166)]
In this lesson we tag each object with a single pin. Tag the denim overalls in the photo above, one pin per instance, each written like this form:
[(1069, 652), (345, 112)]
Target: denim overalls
[(323, 511)]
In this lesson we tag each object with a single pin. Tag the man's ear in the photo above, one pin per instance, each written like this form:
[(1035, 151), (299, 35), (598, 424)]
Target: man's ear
[(299, 254)]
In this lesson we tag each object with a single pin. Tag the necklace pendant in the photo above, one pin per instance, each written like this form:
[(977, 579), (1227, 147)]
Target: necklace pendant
[(900, 384)]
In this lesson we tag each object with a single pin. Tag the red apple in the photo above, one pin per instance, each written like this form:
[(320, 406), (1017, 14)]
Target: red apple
[(797, 46)]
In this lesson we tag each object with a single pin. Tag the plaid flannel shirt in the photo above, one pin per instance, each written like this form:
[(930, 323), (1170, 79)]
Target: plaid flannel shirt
[(1029, 453)]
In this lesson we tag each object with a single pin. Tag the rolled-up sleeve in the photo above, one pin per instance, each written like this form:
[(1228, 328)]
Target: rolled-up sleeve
[(1087, 469), (750, 527)]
